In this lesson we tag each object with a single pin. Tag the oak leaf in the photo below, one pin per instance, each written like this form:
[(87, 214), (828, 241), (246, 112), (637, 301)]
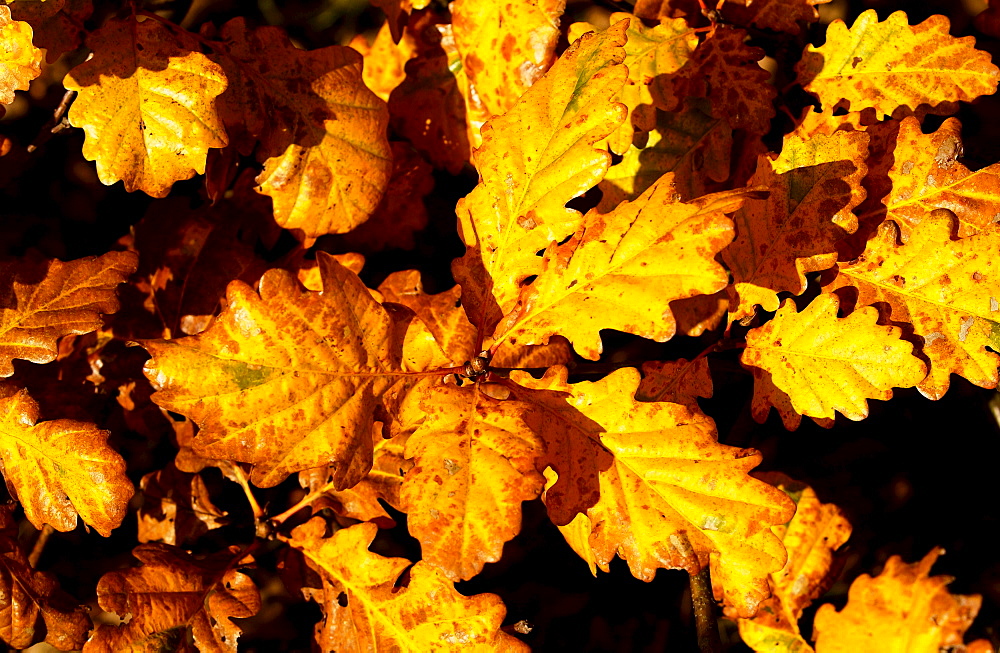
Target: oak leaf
[(397, 12), (948, 290), (701, 313), (534, 159), (902, 609), (678, 382), (621, 270), (778, 15), (41, 301), (20, 61), (810, 538), (286, 379), (60, 469), (57, 24), (814, 186), (176, 507), (173, 596), (892, 64), (322, 132), (384, 60), (474, 463), (647, 474), (146, 104), (428, 614), (827, 364)]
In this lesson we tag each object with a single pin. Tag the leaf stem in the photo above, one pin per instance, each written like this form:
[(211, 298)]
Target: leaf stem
[(241, 478), (39, 547), (703, 604), (306, 500)]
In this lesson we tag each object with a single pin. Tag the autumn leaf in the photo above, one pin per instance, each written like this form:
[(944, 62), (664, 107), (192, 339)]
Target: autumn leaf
[(701, 313), (678, 382), (649, 52), (20, 61), (621, 270), (534, 159), (892, 64), (810, 538), (946, 289), (427, 614), (777, 15), (309, 366), (60, 469), (322, 133), (902, 609), (57, 24), (926, 175), (41, 301), (827, 364), (173, 596), (474, 463), (645, 474), (146, 104), (176, 508), (384, 60), (396, 13), (814, 186), (505, 47)]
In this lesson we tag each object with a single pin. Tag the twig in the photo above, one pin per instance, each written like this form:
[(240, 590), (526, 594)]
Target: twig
[(241, 478), (57, 124), (306, 500), (39, 547), (702, 601)]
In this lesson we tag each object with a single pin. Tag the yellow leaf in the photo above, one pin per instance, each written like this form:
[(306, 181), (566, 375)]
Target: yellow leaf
[(146, 104), (41, 301), (678, 381), (61, 468), (949, 290), (58, 25), (646, 474), (827, 364), (621, 271), (426, 615), (287, 379), (20, 61), (810, 538), (534, 159), (891, 64), (474, 463), (326, 154), (814, 186), (384, 60), (902, 610), (505, 46)]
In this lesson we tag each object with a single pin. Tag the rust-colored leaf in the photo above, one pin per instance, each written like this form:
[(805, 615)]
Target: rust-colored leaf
[(41, 301), (173, 596), (176, 507), (286, 379), (20, 61), (948, 290), (57, 24), (678, 381), (364, 611), (647, 474), (146, 103), (779, 15), (828, 364), (60, 469), (396, 13), (892, 64), (384, 60)]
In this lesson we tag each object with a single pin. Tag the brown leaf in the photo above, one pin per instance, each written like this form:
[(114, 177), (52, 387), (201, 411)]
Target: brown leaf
[(57, 24), (678, 382), (176, 507)]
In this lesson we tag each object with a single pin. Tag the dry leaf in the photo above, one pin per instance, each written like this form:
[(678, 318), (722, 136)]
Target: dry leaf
[(20, 61), (176, 507)]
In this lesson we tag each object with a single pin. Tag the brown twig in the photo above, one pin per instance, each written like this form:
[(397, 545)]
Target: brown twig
[(39, 547), (57, 124), (702, 601)]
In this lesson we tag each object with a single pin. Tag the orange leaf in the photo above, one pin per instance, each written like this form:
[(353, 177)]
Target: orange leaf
[(171, 595), (810, 538), (621, 270), (426, 614), (309, 366), (891, 64), (902, 609), (60, 469), (678, 381), (701, 313), (778, 15), (322, 132), (814, 186), (57, 24), (534, 159), (176, 507), (827, 364), (146, 103), (946, 289), (643, 474), (41, 301), (474, 463), (384, 60), (396, 13), (20, 61)]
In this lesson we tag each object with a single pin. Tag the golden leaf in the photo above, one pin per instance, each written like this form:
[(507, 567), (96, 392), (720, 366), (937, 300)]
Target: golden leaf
[(428, 614), (58, 25), (323, 138), (814, 186), (891, 64), (678, 381), (621, 270), (646, 474), (60, 469), (384, 60), (827, 364), (20, 61), (41, 301), (146, 104), (176, 507), (171, 594), (948, 290), (287, 379), (902, 609)]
